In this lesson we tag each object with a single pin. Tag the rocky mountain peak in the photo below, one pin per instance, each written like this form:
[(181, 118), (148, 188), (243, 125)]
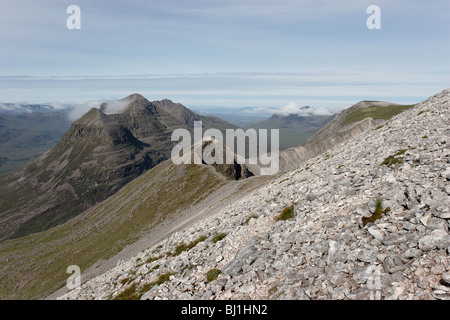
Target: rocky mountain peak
[(94, 117)]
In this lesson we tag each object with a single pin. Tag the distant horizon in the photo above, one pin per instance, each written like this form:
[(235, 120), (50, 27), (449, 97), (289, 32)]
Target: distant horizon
[(220, 90), (224, 54)]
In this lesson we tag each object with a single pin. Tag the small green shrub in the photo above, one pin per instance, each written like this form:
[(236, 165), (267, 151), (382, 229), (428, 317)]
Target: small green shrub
[(135, 293), (287, 213), (212, 274), (395, 159), (401, 152), (379, 211), (183, 247), (392, 160), (128, 294), (253, 216), (164, 277), (218, 237), (272, 290), (151, 259)]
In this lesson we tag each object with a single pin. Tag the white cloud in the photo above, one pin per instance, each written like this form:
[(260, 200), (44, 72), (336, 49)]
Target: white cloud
[(293, 108), (109, 107), (79, 110), (115, 106)]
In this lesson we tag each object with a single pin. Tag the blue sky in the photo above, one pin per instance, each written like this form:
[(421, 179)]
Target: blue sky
[(227, 53)]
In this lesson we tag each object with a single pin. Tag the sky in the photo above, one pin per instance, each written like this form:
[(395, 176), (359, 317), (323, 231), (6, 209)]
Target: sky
[(224, 53)]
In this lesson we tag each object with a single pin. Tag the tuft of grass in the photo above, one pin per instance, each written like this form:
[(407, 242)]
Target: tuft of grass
[(253, 216), (395, 159), (151, 259), (272, 290), (135, 293), (218, 237), (379, 211), (379, 127), (128, 294), (183, 247), (401, 152), (287, 213), (212, 274), (164, 277)]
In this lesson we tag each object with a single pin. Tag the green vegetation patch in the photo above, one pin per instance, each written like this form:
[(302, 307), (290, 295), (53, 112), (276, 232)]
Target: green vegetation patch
[(395, 159), (384, 113), (379, 211), (129, 293), (135, 293), (287, 213), (183, 247), (218, 237), (253, 216), (151, 259), (212, 274)]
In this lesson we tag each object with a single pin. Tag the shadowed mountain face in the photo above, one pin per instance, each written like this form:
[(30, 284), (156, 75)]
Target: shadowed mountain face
[(98, 155)]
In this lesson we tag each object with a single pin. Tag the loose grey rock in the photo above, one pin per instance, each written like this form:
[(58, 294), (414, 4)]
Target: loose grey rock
[(438, 239)]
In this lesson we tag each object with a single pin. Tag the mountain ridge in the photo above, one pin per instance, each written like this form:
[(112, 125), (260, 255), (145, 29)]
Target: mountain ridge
[(98, 155), (324, 250)]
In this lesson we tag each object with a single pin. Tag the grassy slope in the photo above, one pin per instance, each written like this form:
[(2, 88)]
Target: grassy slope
[(34, 266), (384, 113)]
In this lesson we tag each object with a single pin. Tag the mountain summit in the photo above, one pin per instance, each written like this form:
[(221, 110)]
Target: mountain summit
[(101, 152)]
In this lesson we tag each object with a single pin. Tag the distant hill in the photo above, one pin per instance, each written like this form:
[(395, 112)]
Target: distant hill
[(99, 154), (24, 108), (347, 124), (23, 136), (294, 128)]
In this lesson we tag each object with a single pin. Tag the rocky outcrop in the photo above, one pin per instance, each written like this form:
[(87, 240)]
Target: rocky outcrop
[(324, 251)]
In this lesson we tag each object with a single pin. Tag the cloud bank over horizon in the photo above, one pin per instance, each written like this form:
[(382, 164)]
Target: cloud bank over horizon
[(294, 109)]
